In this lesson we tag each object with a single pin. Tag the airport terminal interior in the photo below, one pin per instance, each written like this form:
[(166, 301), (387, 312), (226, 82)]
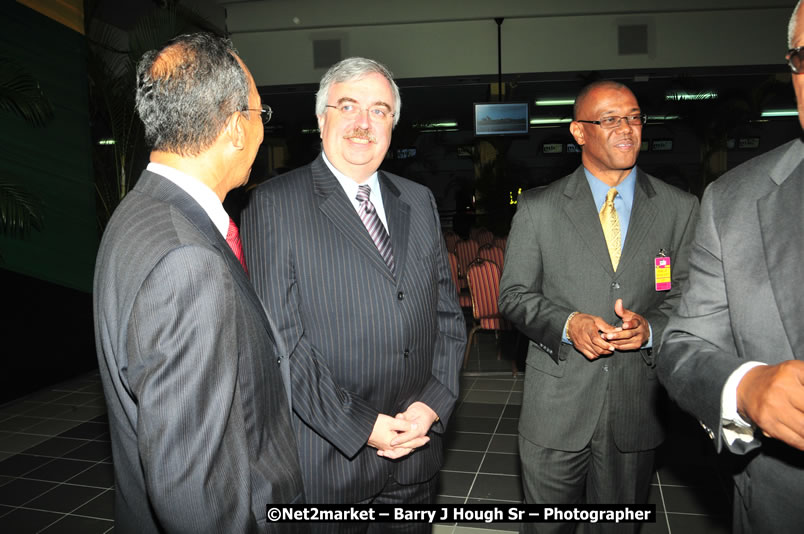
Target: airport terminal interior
[(709, 74)]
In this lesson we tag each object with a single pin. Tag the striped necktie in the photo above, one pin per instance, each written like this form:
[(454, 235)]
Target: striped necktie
[(611, 228), (233, 239), (372, 222)]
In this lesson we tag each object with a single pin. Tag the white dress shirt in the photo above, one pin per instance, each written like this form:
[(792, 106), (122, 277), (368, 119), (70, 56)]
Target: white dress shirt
[(350, 188)]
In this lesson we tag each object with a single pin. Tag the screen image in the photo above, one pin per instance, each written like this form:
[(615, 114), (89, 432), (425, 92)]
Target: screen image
[(501, 119)]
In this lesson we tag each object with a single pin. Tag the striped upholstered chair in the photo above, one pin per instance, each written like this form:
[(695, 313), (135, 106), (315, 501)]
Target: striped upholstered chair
[(483, 277), (464, 299), (492, 253)]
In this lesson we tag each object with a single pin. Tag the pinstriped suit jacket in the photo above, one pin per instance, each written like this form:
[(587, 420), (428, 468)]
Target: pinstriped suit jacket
[(198, 412), (557, 262), (362, 341)]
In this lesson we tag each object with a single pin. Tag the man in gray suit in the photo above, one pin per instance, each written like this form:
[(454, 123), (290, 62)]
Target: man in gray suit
[(731, 355), (198, 412), (352, 262), (589, 299)]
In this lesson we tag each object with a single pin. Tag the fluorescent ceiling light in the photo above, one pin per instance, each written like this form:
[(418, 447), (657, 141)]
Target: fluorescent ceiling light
[(661, 118), (550, 120), (780, 113), (684, 95), (554, 101), (106, 142), (441, 124)]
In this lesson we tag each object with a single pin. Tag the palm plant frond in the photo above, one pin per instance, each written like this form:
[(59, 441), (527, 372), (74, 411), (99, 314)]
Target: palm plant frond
[(21, 95), (20, 211)]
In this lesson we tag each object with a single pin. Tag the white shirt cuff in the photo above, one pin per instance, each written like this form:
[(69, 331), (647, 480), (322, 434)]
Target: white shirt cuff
[(734, 426)]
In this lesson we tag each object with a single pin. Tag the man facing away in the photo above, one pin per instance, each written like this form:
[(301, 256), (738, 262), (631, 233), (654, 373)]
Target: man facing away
[(352, 263), (198, 413), (731, 354), (581, 280)]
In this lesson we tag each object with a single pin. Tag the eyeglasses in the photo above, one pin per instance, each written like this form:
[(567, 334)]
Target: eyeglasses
[(265, 111), (794, 60), (376, 113), (607, 123)]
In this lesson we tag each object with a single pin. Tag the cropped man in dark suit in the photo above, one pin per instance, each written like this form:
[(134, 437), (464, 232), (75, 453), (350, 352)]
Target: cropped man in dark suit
[(371, 320), (198, 412), (579, 282), (731, 354)]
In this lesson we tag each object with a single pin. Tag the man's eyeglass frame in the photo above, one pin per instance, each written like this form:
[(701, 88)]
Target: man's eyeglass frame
[(265, 111), (643, 119)]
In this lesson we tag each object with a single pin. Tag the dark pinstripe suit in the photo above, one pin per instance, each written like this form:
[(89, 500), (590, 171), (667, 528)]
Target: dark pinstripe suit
[(362, 342), (198, 412)]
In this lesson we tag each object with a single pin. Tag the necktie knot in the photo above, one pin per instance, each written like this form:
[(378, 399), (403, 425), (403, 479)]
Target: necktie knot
[(363, 196)]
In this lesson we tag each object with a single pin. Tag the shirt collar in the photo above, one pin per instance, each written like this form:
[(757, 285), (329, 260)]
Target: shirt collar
[(350, 186), (202, 194), (625, 189)]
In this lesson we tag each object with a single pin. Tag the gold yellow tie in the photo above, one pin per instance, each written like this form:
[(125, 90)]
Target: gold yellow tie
[(611, 227)]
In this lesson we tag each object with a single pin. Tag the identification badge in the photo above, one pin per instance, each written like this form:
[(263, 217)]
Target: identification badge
[(662, 272)]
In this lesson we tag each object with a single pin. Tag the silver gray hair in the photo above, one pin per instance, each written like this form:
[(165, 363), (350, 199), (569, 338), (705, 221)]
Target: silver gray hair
[(349, 70), (791, 26)]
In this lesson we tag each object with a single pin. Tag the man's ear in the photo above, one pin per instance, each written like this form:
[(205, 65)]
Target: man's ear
[(577, 132), (322, 119), (236, 130)]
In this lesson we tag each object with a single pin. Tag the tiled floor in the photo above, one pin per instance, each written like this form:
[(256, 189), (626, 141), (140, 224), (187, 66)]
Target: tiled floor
[(56, 471)]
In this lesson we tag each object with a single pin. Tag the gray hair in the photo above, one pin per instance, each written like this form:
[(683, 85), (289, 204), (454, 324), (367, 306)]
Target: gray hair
[(351, 69), (791, 26), (187, 90), (591, 87)]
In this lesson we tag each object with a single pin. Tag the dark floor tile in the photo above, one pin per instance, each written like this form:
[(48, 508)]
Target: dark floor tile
[(20, 491), (688, 475), (493, 384), (455, 484), (101, 506), (512, 411), (100, 475), (59, 470), (5, 509), (88, 430), (655, 497), (49, 410), (504, 443), (699, 524), (84, 525), (465, 461), (446, 499), (467, 442), (21, 464), (22, 521), (55, 447), (497, 487), (491, 525), (94, 450), (703, 501), (659, 527), (5, 480), (65, 498), (101, 419), (78, 399), (501, 464), (473, 424), (508, 426), (20, 422), (479, 409)]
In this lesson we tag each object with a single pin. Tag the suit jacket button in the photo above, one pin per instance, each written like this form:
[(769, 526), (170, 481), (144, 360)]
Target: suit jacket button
[(407, 353), (400, 295), (615, 285), (279, 361)]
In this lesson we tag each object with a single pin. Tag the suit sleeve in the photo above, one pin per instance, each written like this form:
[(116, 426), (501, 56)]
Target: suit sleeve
[(441, 392), (521, 298), (698, 354), (338, 415), (687, 217), (183, 372)]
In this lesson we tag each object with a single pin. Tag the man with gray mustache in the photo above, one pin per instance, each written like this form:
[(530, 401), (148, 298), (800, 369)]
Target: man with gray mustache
[(351, 262)]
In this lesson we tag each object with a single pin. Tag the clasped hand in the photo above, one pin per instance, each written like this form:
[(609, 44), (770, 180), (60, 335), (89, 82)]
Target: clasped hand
[(594, 337), (395, 437)]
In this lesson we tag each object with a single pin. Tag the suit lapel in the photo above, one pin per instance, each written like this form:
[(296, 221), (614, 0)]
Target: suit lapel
[(643, 215), (784, 257), (165, 190), (397, 214), (582, 213), (341, 213)]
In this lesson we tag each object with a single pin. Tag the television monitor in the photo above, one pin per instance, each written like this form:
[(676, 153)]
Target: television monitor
[(501, 118)]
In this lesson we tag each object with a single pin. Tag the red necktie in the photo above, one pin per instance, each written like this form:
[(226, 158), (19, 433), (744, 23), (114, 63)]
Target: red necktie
[(233, 239)]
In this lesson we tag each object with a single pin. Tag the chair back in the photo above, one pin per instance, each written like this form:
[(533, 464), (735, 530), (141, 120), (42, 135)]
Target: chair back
[(484, 237), (500, 242), (492, 253), (453, 269), (484, 285), (451, 238), (466, 252)]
